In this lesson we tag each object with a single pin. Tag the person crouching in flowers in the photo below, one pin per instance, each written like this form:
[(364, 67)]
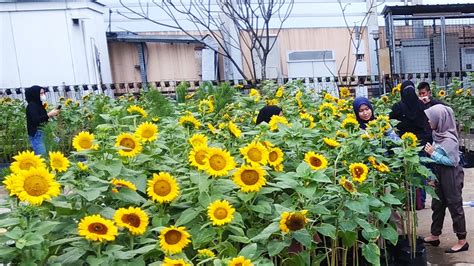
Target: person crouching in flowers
[(364, 113), (450, 176), (266, 113)]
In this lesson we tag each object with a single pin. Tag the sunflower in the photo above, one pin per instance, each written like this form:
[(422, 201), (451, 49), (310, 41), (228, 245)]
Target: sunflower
[(96, 228), (35, 185), (134, 219), (67, 102), (359, 172), (372, 161), (350, 123), (384, 99), (220, 212), (309, 118), (234, 129), (250, 178), (58, 161), (147, 132), (278, 168), (163, 188), (410, 139), (25, 160), (206, 106), (212, 128), (240, 261), (327, 110), (459, 92), (198, 140), (84, 141), (82, 166), (331, 142), (9, 183), (383, 168), (276, 120), (396, 89), (279, 92), (197, 157), (344, 92), (128, 145), (272, 102), (174, 262), (255, 152), (45, 105), (341, 134), (315, 161), (219, 162), (255, 94), (189, 121), (468, 92), (206, 253), (347, 185), (442, 93), (275, 156), (174, 239), (293, 221), (328, 97), (384, 122), (120, 183), (137, 109)]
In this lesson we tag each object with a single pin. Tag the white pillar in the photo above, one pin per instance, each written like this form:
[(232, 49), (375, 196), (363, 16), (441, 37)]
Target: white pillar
[(372, 25)]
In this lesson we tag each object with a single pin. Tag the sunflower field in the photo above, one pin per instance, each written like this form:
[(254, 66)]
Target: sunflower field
[(150, 181)]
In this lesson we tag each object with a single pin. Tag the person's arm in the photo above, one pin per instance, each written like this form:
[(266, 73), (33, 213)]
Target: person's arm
[(392, 135), (395, 113), (35, 115), (438, 155)]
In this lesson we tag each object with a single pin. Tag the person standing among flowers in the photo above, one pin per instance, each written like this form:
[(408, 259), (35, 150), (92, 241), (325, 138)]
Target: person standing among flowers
[(36, 116), (424, 93), (265, 114), (364, 113), (450, 176)]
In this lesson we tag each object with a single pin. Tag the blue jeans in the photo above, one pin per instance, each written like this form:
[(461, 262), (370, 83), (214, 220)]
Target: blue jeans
[(37, 142)]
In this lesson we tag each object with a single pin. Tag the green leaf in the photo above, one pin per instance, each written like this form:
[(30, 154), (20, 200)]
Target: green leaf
[(204, 199), (274, 247), (319, 209), (370, 234), (72, 255), (390, 199), (249, 251), (303, 170), (128, 195), (267, 232), (390, 234), (348, 225), (308, 192), (46, 227), (349, 238), (187, 216), (320, 177), (327, 230), (374, 202), (384, 214), (359, 206), (371, 253), (157, 220), (32, 239), (113, 166), (15, 233), (9, 222), (92, 260), (303, 237), (262, 207), (65, 240), (240, 239), (91, 194), (5, 251)]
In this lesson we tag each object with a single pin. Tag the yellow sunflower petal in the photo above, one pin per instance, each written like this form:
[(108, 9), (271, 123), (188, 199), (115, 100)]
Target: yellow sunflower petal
[(134, 219), (163, 188), (174, 239), (96, 228)]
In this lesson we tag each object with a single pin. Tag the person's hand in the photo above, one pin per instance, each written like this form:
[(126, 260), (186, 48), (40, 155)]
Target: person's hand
[(53, 113), (429, 148), (425, 99), (431, 183)]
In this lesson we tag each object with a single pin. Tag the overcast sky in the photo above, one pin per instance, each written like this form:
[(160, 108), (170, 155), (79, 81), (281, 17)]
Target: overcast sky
[(429, 2)]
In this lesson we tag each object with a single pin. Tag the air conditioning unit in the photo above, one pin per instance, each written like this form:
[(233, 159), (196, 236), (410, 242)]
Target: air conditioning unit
[(467, 58)]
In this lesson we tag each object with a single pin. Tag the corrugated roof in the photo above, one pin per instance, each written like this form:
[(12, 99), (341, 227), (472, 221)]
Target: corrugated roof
[(429, 9)]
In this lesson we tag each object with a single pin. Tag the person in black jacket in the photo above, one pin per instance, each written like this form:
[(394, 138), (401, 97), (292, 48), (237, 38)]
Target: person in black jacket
[(36, 116), (424, 93), (266, 113)]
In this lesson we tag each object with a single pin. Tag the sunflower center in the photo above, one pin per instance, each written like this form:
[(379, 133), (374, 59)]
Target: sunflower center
[(295, 221), (238, 264), (162, 188), (128, 143), (36, 185), (97, 228), (85, 143), (26, 164), (349, 186), (131, 219), (358, 171), (255, 155), (147, 133), (315, 161), (57, 163), (172, 237), (249, 177), (217, 162), (273, 156), (200, 156), (220, 213)]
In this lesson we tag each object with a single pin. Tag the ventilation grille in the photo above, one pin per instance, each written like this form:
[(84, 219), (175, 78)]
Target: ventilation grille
[(310, 56), (469, 50)]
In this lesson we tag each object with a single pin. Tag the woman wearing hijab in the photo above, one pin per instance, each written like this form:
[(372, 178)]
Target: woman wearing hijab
[(267, 112), (410, 112), (36, 116), (364, 113), (450, 176)]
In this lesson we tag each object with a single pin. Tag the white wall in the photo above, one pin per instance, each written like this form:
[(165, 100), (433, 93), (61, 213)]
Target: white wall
[(41, 45)]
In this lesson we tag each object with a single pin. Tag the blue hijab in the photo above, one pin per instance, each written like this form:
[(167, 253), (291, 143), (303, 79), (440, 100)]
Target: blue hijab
[(358, 102)]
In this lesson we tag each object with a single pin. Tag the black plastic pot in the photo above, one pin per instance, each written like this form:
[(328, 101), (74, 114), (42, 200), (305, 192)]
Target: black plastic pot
[(401, 254), (467, 158)]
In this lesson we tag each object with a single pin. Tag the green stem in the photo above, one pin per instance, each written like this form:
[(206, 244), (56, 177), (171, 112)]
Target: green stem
[(131, 241)]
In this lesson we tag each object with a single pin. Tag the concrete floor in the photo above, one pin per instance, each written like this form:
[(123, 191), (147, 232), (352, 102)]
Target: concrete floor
[(436, 255)]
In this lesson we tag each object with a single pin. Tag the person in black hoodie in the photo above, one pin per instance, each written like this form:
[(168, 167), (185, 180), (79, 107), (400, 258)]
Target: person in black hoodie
[(266, 113), (36, 116)]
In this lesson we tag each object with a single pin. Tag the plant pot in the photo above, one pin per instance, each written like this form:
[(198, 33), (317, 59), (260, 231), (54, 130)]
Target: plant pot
[(401, 254)]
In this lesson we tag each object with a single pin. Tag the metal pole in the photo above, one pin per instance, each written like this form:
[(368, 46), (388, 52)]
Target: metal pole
[(378, 64), (141, 60), (443, 47)]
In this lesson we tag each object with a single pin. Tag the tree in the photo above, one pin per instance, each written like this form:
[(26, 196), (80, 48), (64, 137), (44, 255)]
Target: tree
[(245, 25)]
